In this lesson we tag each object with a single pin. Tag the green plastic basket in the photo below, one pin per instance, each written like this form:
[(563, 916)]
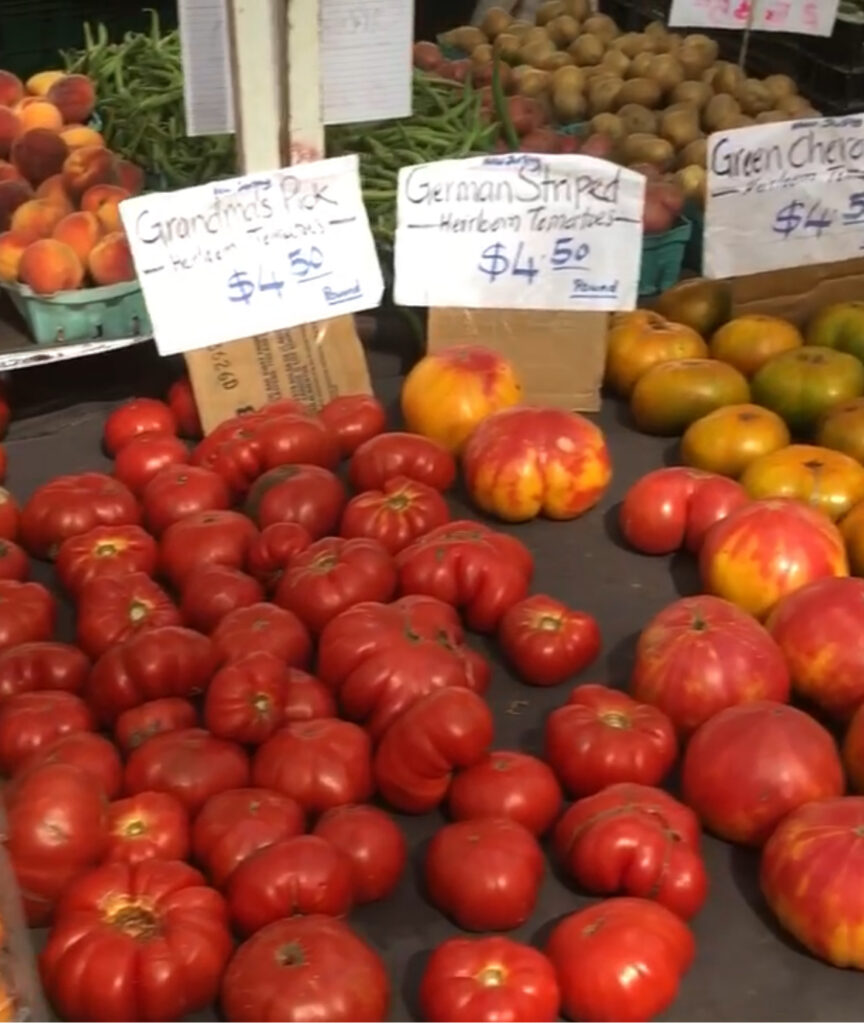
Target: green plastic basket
[(663, 258), (92, 314), (695, 245)]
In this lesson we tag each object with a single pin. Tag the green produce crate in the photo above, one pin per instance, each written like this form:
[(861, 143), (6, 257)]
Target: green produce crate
[(32, 32), (106, 313), (693, 252), (663, 258)]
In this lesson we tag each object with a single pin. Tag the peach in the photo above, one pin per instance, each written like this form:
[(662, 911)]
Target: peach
[(12, 246), (54, 190), (9, 172), (49, 266), (12, 195), (80, 231), (10, 129), (88, 166), (78, 135), (74, 96), (110, 260), (34, 112), (104, 201), (40, 83), (11, 89), (37, 217), (130, 176), (38, 154)]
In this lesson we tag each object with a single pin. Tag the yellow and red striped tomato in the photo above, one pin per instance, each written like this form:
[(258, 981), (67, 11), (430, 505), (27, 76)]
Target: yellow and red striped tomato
[(525, 462), (768, 549), (448, 393)]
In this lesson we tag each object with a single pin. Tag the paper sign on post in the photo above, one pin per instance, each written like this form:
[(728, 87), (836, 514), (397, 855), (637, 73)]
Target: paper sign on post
[(519, 231), (253, 254), (803, 17), (784, 195)]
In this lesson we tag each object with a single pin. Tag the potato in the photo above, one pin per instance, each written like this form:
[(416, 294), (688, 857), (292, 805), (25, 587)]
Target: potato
[(608, 124), (679, 124), (466, 37), (754, 97), (602, 94), (563, 30), (569, 104), (507, 47), (695, 153), (601, 25), (616, 62), (632, 43), (638, 119), (532, 82), (546, 12), (587, 50), (533, 53), (639, 65), (779, 86), (569, 77), (728, 78), (695, 93), (665, 70), (648, 149), (495, 21), (719, 109), (644, 91), (482, 55), (579, 9)]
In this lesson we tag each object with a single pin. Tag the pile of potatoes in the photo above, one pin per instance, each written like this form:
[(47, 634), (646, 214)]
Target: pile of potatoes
[(651, 98)]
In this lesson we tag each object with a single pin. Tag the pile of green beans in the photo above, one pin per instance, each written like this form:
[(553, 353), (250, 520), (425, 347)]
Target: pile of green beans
[(139, 85)]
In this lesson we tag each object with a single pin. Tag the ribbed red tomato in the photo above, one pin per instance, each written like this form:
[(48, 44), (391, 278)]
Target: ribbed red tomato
[(266, 628), (165, 714), (42, 665), (31, 721), (214, 591), (148, 825), (92, 753), (105, 551), (176, 492), (372, 842), (135, 417), (309, 495), (113, 609), (140, 459)]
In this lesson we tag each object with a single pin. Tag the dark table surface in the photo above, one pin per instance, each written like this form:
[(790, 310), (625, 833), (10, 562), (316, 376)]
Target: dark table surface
[(745, 969)]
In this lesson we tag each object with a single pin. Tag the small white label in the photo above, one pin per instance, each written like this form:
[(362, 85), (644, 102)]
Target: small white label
[(207, 79), (803, 17)]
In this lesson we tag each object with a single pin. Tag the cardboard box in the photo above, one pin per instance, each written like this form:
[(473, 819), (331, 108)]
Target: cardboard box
[(797, 293), (559, 356)]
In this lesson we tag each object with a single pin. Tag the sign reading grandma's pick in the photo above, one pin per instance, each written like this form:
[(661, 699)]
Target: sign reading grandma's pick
[(784, 195), (249, 255), (519, 231)]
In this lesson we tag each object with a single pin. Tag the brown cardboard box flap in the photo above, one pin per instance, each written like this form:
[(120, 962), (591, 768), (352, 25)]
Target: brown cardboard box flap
[(311, 363), (559, 356), (797, 293)]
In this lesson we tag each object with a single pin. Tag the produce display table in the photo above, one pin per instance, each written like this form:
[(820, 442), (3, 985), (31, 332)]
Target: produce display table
[(745, 969)]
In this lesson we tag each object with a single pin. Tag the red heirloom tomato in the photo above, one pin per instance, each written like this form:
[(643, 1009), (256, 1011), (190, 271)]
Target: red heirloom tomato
[(749, 766), (673, 508), (523, 462), (166, 662), (353, 419), (188, 763), (620, 960), (399, 513), (333, 574), (236, 823), (507, 784), (634, 839), (478, 570), (164, 933), (701, 655), (56, 829), (14, 563), (176, 492), (300, 875), (321, 764), (489, 980), (273, 549), (262, 627), (244, 698), (69, 505), (148, 825), (484, 874), (136, 417), (820, 630), (547, 642), (42, 665), (10, 515), (380, 658), (27, 613), (181, 402), (30, 721), (769, 549), (203, 539), (105, 551), (144, 456), (296, 438), (853, 751), (113, 609), (447, 729), (601, 736), (213, 591), (93, 754), (396, 454), (138, 724), (372, 842), (810, 878), (305, 697), (305, 968), (309, 495)]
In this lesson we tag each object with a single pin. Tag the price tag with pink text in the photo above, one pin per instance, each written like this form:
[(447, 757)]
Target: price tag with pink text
[(802, 17)]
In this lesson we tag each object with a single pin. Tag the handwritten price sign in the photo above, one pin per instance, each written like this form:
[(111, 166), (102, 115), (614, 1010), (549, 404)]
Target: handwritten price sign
[(803, 17), (784, 195), (519, 231), (253, 254)]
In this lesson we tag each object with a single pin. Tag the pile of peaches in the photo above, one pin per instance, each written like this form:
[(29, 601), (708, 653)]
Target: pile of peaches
[(60, 188)]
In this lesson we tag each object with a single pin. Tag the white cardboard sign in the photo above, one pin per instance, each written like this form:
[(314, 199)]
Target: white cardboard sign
[(802, 17)]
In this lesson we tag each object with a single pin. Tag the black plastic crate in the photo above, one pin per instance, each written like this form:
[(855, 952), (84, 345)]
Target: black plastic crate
[(844, 48), (634, 15), (832, 90)]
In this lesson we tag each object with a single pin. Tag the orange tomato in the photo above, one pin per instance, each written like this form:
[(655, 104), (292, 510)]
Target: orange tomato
[(525, 462), (830, 481), (727, 440), (768, 549), (852, 530), (672, 395), (748, 342), (843, 429), (642, 339), (447, 394)]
